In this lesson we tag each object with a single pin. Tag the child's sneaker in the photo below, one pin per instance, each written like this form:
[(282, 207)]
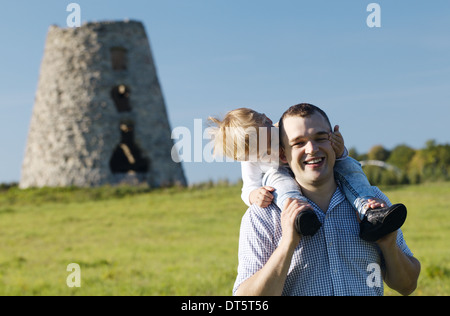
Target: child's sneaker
[(307, 223), (379, 222)]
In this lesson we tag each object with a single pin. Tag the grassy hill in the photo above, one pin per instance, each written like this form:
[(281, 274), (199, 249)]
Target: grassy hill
[(131, 241)]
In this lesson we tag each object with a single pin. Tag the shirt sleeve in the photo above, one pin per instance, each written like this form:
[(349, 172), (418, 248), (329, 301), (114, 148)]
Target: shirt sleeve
[(255, 242), (252, 179)]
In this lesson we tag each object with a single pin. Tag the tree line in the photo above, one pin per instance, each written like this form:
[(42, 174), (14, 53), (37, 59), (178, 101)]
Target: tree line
[(412, 166)]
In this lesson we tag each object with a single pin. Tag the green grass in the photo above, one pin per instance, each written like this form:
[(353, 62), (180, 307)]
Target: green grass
[(427, 232), (166, 242), (176, 241)]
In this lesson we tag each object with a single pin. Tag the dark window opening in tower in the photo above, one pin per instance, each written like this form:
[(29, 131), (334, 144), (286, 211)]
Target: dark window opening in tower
[(128, 157), (121, 97), (119, 58)]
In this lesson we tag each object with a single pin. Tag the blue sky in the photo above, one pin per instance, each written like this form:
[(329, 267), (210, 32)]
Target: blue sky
[(388, 85)]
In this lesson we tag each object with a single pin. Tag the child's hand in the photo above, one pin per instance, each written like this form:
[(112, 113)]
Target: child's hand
[(337, 142), (262, 196)]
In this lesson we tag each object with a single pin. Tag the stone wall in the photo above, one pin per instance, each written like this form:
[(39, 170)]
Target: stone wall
[(76, 123)]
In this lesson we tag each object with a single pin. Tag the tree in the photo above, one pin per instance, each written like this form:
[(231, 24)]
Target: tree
[(378, 152), (431, 163), (401, 156), (352, 152), (437, 161)]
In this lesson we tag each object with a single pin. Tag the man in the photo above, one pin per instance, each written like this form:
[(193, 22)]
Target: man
[(275, 260)]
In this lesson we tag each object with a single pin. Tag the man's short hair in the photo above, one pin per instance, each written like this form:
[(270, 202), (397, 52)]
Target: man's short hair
[(302, 110)]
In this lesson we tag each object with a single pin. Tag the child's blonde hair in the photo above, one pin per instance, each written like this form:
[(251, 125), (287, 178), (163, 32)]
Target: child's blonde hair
[(236, 136)]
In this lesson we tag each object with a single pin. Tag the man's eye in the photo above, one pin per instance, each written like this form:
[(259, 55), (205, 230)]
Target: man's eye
[(322, 139)]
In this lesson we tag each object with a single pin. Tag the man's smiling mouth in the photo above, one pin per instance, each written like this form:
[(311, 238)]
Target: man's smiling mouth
[(314, 161)]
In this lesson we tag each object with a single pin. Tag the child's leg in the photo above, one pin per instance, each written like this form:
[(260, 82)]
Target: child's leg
[(375, 223), (306, 222), (285, 185), (354, 183)]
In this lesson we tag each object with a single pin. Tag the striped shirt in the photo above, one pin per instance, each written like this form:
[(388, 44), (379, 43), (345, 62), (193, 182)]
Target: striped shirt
[(335, 261)]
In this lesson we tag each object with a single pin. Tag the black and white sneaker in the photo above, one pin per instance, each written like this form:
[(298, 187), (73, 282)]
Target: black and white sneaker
[(379, 222)]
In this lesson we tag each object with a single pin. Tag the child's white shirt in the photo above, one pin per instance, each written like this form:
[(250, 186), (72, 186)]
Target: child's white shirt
[(252, 175)]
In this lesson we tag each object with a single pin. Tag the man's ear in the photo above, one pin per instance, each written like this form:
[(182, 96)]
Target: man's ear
[(282, 156)]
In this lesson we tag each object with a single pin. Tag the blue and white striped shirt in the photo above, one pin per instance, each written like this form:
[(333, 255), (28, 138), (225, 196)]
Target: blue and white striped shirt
[(335, 261)]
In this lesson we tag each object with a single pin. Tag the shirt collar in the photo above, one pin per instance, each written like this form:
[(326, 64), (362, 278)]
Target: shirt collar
[(337, 198)]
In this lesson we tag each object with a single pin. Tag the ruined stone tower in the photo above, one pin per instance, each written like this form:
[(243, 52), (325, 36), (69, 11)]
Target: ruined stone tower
[(99, 115)]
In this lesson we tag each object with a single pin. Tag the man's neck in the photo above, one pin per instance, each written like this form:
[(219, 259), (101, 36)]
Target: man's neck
[(320, 194)]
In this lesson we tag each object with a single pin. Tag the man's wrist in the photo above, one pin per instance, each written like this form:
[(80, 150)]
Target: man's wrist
[(388, 243), (251, 196), (289, 245)]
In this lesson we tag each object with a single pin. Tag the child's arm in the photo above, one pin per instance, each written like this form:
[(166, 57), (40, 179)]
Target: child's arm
[(262, 196), (252, 190)]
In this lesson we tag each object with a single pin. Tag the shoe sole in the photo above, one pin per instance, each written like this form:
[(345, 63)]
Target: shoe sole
[(392, 222), (307, 223)]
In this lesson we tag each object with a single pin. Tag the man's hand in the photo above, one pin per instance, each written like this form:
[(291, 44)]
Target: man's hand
[(270, 279), (337, 142), (262, 196), (291, 209)]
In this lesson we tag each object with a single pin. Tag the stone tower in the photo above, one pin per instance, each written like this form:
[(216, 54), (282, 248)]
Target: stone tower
[(99, 115)]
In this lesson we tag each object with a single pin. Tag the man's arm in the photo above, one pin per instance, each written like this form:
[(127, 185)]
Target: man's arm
[(402, 271), (401, 268), (270, 279)]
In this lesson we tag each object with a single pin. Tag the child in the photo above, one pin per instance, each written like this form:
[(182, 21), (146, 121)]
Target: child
[(243, 134)]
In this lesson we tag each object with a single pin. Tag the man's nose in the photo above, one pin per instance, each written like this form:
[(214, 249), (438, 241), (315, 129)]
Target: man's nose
[(311, 147)]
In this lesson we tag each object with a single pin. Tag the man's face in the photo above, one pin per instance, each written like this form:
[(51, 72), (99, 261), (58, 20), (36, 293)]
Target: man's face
[(308, 150)]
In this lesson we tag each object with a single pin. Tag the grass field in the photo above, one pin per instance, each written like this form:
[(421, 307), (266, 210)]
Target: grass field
[(169, 241)]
